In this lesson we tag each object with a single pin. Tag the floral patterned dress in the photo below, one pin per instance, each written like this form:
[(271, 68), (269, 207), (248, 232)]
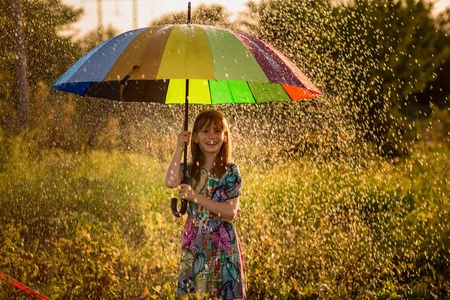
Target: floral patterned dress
[(211, 257)]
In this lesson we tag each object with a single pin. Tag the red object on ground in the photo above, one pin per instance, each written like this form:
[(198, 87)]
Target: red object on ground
[(22, 287)]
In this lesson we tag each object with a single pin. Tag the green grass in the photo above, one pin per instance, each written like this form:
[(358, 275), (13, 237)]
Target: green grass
[(98, 225)]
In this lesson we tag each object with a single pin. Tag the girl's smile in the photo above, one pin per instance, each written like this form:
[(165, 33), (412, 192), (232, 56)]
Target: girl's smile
[(210, 139)]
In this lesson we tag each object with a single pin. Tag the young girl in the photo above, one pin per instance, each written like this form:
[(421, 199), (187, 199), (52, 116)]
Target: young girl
[(211, 258)]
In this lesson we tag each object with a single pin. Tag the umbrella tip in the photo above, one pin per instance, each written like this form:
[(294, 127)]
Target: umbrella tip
[(189, 13)]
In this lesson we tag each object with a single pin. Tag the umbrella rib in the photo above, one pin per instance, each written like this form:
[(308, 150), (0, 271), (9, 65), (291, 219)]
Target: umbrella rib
[(251, 91)]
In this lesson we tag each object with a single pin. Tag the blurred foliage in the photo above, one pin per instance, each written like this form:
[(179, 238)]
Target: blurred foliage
[(379, 59), (70, 231), (48, 54), (351, 231), (96, 37), (98, 225), (213, 14)]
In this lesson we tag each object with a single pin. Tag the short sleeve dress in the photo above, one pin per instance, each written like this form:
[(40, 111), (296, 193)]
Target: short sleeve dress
[(211, 257)]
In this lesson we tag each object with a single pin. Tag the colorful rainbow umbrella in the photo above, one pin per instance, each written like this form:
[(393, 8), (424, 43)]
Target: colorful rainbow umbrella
[(152, 65), (186, 64)]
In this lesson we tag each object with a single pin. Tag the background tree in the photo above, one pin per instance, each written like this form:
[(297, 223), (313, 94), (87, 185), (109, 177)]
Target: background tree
[(370, 56), (412, 47), (21, 63), (213, 14), (96, 37), (48, 54)]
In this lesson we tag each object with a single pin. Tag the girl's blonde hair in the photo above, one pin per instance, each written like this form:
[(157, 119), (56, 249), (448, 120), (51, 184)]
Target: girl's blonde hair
[(211, 117)]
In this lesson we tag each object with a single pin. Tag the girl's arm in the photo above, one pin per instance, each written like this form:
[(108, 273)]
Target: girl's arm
[(226, 210), (173, 174)]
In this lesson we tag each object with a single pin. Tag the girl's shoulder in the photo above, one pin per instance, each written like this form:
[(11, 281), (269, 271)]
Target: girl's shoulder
[(232, 181), (232, 169), (232, 166)]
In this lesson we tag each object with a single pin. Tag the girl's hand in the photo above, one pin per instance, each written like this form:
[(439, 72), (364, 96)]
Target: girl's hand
[(183, 138), (185, 191)]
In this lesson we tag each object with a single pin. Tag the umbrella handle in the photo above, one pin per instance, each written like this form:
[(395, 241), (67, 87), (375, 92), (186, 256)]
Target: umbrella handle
[(183, 209)]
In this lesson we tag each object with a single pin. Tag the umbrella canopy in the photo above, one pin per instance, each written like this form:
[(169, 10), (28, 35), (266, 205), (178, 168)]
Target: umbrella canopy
[(152, 65)]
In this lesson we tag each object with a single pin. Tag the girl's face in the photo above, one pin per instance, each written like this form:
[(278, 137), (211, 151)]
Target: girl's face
[(210, 139)]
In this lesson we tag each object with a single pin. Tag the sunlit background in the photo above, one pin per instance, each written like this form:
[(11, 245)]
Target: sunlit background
[(125, 15)]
